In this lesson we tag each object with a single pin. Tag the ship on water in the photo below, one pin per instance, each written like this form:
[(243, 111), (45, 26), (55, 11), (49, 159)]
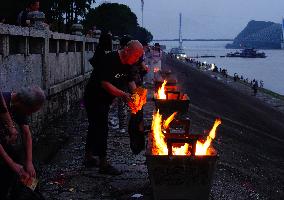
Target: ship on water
[(179, 52), (247, 53)]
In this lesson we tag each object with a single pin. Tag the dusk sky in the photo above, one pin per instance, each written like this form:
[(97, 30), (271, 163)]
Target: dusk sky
[(203, 18)]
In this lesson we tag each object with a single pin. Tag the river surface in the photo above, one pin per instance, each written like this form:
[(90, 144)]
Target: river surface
[(270, 69)]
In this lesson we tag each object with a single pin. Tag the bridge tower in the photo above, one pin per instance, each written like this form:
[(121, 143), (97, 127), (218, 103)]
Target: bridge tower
[(180, 35), (282, 41)]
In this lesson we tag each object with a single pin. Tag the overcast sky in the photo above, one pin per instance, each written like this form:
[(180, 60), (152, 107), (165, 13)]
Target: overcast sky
[(203, 18)]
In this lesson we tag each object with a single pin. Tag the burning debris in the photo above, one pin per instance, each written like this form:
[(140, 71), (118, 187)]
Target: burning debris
[(161, 91), (180, 164), (203, 148), (139, 98), (160, 146), (164, 92), (168, 100), (178, 169), (160, 77)]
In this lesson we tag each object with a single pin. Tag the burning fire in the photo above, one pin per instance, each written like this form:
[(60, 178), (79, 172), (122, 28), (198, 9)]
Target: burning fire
[(138, 99), (202, 148), (161, 91), (159, 143), (169, 120)]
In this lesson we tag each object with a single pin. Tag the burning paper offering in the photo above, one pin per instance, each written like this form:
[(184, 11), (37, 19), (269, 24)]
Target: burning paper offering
[(138, 99), (202, 148), (160, 147), (161, 91)]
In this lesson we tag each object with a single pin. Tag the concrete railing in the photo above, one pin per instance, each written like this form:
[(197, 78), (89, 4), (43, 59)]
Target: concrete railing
[(56, 62), (42, 57)]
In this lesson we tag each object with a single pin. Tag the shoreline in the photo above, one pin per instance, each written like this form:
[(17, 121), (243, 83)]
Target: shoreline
[(249, 141), (267, 96)]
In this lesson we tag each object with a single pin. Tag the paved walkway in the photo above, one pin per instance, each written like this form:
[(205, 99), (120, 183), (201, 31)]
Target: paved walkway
[(65, 177), (262, 94)]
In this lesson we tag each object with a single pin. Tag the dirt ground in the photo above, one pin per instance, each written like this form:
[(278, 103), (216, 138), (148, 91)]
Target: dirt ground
[(249, 143)]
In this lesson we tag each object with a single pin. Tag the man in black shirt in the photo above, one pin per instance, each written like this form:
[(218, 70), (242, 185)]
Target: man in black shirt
[(106, 82)]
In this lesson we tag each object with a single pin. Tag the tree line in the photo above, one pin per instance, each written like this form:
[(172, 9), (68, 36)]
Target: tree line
[(61, 14)]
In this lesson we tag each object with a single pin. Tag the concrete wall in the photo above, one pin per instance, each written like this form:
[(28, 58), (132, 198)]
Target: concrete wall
[(56, 62)]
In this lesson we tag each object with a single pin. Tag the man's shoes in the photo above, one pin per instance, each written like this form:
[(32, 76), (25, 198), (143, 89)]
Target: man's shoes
[(113, 122), (91, 163), (121, 131), (109, 170)]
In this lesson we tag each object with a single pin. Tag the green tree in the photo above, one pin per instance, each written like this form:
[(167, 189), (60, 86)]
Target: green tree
[(58, 13), (142, 34), (65, 12), (10, 10), (117, 18), (114, 17)]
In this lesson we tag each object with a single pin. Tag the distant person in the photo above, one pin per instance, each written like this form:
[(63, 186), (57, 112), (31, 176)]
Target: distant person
[(119, 104), (136, 122), (12, 165), (215, 69), (236, 77), (255, 87), (122, 107), (104, 47), (261, 83), (32, 5)]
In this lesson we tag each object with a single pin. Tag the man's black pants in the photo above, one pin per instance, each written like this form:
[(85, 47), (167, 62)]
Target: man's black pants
[(8, 177), (136, 132), (97, 113)]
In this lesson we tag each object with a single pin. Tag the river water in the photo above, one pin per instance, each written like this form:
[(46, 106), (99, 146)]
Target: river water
[(270, 69)]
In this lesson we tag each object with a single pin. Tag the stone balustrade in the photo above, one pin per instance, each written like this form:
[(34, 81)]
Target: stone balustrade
[(56, 62)]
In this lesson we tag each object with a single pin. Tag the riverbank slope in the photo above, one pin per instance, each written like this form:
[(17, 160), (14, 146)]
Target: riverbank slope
[(250, 139)]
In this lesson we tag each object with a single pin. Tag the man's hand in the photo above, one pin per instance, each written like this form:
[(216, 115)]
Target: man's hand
[(30, 169), (19, 169), (126, 97)]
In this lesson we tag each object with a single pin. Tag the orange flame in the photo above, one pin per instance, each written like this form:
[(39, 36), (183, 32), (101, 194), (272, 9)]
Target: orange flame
[(169, 120), (161, 91), (202, 148), (159, 143)]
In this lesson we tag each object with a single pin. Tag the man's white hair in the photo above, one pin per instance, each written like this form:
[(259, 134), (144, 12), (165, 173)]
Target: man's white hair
[(135, 44), (32, 96)]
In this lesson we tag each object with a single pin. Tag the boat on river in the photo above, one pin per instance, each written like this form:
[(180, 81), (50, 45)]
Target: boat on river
[(247, 53)]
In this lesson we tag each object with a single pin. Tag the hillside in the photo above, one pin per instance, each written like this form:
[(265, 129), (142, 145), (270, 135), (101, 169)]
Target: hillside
[(260, 35)]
